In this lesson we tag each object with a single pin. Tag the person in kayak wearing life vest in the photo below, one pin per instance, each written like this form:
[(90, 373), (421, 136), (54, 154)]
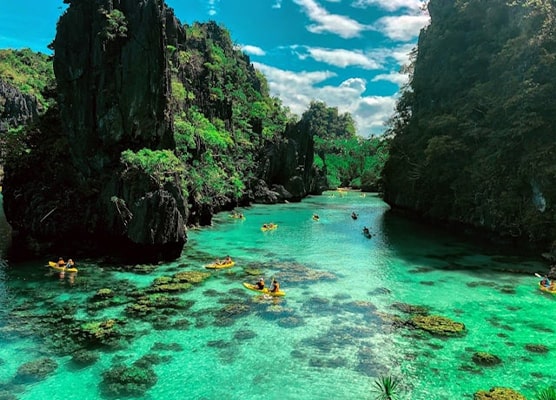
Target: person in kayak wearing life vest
[(61, 262), (260, 284), (275, 286), (70, 264), (545, 281)]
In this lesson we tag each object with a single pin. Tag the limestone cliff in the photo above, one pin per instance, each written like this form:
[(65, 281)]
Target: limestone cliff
[(286, 166), (474, 136), (157, 126), (113, 91), (16, 108)]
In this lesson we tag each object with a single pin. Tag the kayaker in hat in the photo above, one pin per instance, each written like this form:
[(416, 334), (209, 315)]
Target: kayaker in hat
[(260, 284)]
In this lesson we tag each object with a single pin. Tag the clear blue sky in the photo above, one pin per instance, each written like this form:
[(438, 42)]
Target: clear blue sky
[(347, 53)]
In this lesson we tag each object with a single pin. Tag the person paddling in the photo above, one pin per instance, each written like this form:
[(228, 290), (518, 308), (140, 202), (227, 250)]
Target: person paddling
[(275, 286), (260, 284)]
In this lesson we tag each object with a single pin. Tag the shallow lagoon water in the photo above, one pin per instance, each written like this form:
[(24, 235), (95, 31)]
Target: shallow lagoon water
[(330, 337)]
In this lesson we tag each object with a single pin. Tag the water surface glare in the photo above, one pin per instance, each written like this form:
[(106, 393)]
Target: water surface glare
[(342, 323)]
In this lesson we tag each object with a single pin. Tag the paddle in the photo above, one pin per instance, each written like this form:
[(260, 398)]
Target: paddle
[(538, 275)]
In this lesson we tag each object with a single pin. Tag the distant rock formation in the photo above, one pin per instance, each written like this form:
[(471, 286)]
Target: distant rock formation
[(287, 168), (16, 108)]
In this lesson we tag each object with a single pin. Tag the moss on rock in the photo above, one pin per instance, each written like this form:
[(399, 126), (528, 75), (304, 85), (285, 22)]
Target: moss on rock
[(498, 393), (486, 359), (124, 381), (438, 325)]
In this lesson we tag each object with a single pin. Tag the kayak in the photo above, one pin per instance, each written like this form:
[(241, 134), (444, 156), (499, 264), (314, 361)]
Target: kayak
[(315, 218), (269, 227), (547, 289), (250, 286), (237, 216), (54, 265), (221, 265)]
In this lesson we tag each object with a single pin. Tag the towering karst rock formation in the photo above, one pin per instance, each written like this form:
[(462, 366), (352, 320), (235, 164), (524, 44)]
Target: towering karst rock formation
[(157, 126), (113, 90)]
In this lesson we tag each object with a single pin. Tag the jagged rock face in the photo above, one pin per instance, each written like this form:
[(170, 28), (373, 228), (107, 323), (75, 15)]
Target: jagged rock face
[(111, 71), (475, 143), (288, 167), (16, 108), (112, 80)]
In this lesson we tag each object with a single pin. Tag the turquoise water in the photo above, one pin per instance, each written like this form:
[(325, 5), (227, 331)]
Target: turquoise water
[(330, 337)]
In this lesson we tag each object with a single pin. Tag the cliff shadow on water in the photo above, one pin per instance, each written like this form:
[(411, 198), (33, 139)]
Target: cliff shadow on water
[(5, 231), (449, 249)]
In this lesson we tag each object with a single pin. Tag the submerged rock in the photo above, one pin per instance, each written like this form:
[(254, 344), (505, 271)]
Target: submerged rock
[(486, 359), (498, 393), (124, 381), (83, 358), (438, 325), (36, 370), (536, 348)]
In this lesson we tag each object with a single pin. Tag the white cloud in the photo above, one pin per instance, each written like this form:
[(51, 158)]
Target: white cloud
[(391, 5), (394, 77), (212, 7), (339, 57), (402, 53), (325, 22), (257, 51), (403, 27), (298, 89)]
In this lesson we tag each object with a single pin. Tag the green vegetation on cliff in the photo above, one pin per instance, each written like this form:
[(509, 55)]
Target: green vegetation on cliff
[(223, 115), (27, 71), (474, 132)]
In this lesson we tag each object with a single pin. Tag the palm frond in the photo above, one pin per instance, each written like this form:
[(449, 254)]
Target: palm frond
[(387, 388), (548, 393)]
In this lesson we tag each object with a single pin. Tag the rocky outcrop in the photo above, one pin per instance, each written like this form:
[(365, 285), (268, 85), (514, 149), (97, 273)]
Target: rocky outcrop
[(16, 108), (113, 94), (124, 70), (287, 168)]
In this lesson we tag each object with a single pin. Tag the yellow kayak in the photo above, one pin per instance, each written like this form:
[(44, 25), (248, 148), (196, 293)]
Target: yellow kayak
[(54, 265), (269, 227), (250, 286), (220, 265), (547, 289)]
